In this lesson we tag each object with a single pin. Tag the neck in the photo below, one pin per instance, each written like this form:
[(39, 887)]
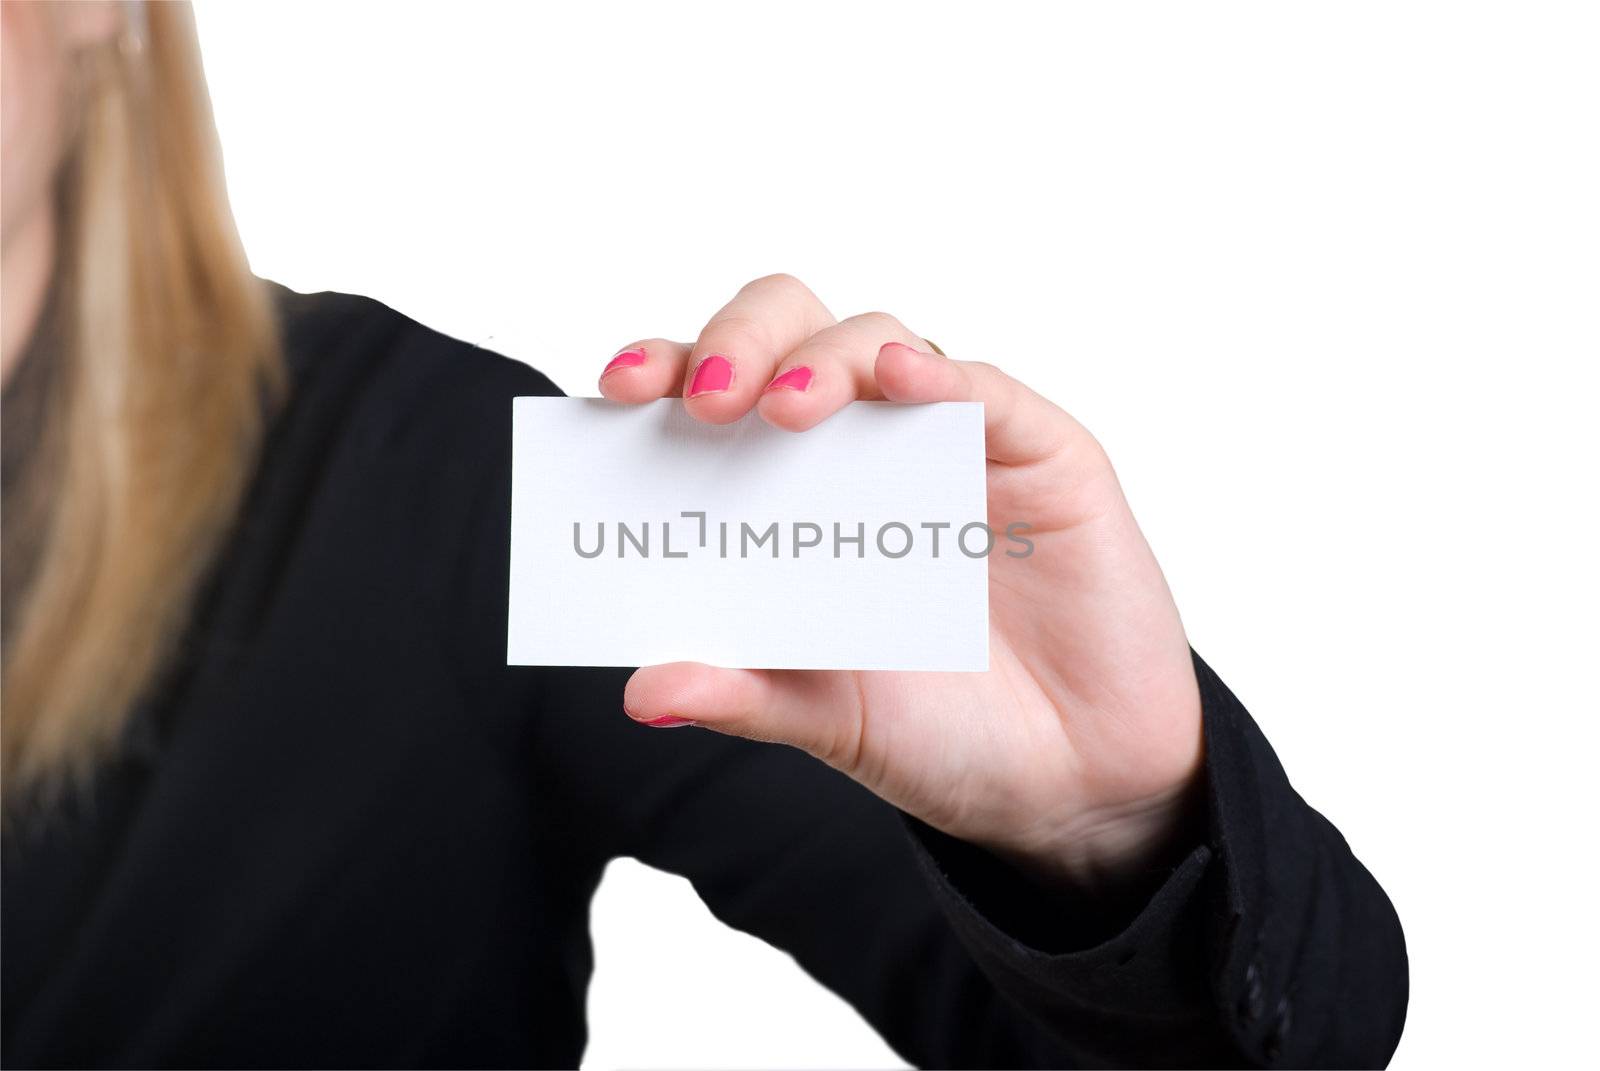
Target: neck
[(25, 265)]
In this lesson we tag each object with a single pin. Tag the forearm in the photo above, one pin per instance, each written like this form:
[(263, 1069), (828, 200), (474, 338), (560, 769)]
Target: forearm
[(1267, 943)]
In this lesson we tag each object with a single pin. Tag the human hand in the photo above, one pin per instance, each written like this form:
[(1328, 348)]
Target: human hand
[(1076, 754)]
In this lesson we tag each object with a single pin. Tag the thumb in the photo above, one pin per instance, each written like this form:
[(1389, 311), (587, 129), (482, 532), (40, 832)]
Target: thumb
[(818, 712)]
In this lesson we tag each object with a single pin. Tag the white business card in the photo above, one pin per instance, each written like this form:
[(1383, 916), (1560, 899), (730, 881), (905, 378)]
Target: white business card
[(640, 535)]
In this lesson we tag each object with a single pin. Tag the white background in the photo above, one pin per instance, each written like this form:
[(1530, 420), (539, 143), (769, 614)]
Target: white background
[(1323, 278)]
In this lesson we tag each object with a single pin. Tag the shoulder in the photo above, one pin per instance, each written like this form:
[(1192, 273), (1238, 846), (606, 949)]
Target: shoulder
[(336, 342), (372, 391), (383, 487)]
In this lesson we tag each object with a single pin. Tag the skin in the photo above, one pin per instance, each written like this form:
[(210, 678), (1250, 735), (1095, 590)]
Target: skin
[(38, 45), (1077, 756)]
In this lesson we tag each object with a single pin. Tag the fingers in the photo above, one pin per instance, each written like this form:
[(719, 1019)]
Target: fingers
[(645, 371), (1019, 425), (831, 368), (817, 712), (736, 353), (776, 347)]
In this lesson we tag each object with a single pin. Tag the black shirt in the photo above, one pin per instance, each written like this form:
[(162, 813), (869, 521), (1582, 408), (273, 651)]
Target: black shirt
[(345, 833)]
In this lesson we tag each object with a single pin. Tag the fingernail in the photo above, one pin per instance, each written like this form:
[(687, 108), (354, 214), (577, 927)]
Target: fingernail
[(625, 359), (713, 375), (667, 721), (899, 346), (798, 378)]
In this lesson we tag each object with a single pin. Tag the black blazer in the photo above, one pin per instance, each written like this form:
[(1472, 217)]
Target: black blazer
[(345, 833)]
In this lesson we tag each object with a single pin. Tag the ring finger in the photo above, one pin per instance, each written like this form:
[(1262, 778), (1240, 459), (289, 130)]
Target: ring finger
[(830, 369)]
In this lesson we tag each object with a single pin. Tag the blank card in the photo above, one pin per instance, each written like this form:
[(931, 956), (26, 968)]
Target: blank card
[(640, 535)]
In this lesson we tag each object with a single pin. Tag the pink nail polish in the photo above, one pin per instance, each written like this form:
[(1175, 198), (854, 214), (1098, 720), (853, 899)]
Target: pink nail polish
[(713, 375), (667, 721), (797, 378), (625, 359)]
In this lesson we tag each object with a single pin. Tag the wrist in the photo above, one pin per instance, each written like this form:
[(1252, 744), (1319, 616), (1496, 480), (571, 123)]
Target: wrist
[(1118, 849)]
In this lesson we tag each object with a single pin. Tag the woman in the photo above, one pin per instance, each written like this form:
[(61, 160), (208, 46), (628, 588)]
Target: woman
[(272, 796)]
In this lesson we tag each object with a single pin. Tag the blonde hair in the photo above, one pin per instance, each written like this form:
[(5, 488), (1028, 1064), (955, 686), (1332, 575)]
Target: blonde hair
[(162, 370)]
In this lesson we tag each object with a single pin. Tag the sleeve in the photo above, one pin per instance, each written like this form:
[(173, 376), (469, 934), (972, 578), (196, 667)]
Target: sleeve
[(1268, 943)]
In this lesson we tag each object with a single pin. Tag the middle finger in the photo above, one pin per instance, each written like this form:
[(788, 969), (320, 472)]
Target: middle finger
[(738, 350)]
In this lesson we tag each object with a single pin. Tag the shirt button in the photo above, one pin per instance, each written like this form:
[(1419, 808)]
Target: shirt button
[(1252, 1001), (1282, 1016)]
